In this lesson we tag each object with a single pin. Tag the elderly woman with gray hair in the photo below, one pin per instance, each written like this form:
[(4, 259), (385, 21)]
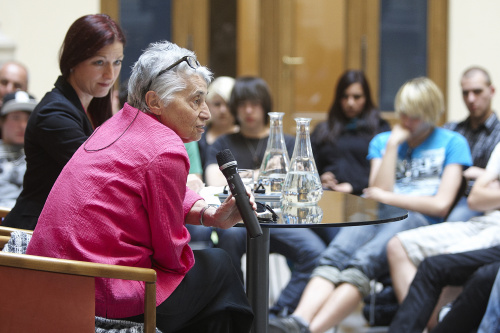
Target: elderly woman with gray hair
[(122, 199)]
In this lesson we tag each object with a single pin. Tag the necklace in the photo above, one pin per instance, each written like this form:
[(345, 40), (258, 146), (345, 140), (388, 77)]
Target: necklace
[(99, 149), (255, 151)]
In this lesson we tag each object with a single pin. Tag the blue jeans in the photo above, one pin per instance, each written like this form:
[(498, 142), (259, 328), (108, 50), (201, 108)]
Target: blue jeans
[(199, 233), (491, 319), (462, 212), (364, 247), (302, 247)]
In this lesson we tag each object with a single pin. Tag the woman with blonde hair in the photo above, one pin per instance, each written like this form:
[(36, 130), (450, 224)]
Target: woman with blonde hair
[(222, 121)]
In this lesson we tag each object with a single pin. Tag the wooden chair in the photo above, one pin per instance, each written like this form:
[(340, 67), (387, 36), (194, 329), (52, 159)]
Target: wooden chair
[(42, 294), (3, 213)]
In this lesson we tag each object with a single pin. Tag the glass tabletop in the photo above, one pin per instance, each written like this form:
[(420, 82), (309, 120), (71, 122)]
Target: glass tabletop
[(334, 209)]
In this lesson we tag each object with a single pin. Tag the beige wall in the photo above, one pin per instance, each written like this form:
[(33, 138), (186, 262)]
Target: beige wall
[(473, 40), (38, 28)]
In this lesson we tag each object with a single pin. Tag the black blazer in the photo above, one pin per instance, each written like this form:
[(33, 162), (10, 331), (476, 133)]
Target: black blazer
[(56, 129)]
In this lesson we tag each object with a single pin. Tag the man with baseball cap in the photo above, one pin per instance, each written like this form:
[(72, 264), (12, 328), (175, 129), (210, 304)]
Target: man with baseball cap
[(14, 114)]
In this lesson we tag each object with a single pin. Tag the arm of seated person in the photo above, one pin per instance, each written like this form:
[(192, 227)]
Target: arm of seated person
[(383, 170), (473, 172), (328, 180), (225, 216), (194, 182), (435, 205), (343, 187), (485, 193)]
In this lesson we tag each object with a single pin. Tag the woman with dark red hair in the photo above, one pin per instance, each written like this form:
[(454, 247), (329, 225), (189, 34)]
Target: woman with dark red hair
[(90, 61)]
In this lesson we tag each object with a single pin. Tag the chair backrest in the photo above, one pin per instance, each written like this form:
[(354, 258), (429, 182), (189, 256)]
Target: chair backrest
[(44, 294)]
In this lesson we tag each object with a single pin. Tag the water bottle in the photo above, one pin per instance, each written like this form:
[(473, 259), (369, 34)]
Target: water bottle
[(276, 162), (302, 183)]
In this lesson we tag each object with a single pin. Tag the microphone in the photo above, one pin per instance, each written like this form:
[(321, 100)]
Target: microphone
[(228, 166)]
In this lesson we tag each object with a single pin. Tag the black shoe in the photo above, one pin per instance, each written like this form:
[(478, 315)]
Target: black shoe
[(287, 325)]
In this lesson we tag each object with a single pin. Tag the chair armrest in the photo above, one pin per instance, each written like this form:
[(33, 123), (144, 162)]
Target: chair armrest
[(75, 267), (6, 231), (90, 269)]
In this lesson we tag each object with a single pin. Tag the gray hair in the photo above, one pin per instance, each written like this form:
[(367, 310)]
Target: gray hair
[(155, 58)]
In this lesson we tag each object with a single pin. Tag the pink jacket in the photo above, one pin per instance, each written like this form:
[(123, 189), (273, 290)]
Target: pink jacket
[(122, 199)]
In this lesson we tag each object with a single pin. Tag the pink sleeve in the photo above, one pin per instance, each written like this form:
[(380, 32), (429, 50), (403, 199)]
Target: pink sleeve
[(167, 201), (190, 199)]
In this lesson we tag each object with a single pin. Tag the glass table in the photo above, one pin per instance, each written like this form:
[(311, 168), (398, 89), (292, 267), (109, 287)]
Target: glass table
[(335, 209)]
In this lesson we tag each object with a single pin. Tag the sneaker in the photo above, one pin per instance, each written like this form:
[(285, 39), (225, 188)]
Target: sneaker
[(444, 311), (288, 324)]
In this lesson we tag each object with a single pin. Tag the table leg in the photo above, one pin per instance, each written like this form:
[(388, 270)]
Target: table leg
[(258, 280)]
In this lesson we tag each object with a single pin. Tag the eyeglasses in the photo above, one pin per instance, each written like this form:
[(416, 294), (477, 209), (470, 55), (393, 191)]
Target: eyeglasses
[(190, 60)]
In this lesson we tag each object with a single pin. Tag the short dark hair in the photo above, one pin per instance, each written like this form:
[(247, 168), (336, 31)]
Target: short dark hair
[(251, 88), (475, 69), (84, 38)]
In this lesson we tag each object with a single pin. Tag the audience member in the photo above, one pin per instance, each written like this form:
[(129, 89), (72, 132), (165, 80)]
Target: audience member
[(481, 129), (194, 180), (407, 249), (475, 270), (415, 167), (199, 234), (13, 76), (340, 144), (222, 122), (194, 158), (250, 102), (90, 61), (138, 158), (15, 111)]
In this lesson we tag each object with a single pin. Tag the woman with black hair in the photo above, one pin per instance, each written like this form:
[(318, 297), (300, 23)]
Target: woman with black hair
[(340, 144)]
